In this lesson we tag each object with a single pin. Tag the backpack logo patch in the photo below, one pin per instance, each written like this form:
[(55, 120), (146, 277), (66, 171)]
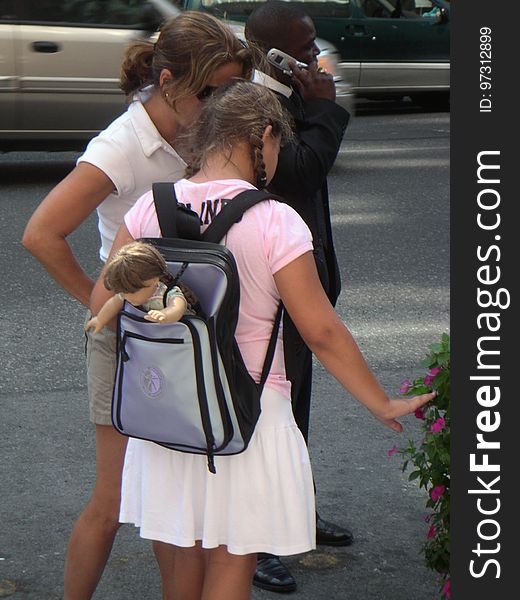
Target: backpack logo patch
[(152, 382)]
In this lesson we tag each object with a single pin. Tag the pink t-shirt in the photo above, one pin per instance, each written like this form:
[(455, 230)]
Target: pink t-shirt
[(269, 237)]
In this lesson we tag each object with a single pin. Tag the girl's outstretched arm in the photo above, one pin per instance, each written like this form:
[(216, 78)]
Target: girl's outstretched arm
[(332, 343)]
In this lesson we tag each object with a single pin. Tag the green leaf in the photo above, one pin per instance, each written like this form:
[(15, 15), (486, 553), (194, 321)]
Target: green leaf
[(418, 390), (443, 358), (413, 475)]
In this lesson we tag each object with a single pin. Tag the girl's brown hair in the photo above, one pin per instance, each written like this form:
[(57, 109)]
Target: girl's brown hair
[(238, 111), (191, 46)]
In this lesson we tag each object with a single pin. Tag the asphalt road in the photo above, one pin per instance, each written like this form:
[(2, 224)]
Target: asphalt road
[(390, 206)]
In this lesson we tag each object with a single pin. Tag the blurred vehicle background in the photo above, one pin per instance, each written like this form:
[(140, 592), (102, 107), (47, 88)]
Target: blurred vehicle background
[(59, 65), (60, 59), (386, 47)]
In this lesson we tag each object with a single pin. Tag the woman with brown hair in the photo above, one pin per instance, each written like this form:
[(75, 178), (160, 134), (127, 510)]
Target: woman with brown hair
[(168, 82), (261, 500)]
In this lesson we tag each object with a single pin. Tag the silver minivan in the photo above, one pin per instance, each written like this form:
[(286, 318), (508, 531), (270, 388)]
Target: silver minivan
[(60, 61)]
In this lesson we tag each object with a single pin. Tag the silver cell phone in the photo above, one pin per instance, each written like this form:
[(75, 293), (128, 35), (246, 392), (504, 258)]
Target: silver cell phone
[(281, 60)]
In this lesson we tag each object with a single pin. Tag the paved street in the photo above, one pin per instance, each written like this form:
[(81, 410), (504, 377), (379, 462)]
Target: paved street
[(390, 206)]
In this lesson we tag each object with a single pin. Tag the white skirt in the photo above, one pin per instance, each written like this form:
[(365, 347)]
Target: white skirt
[(261, 500)]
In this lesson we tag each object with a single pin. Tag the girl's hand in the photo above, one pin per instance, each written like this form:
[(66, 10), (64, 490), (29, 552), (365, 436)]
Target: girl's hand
[(400, 407), (155, 315)]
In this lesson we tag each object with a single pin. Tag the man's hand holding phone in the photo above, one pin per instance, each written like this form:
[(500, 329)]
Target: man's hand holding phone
[(313, 82)]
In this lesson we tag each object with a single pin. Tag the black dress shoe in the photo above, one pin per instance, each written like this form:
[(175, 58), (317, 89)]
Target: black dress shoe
[(271, 574), (328, 534)]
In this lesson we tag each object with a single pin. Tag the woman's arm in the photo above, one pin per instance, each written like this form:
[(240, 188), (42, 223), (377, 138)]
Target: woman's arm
[(61, 212), (100, 294), (332, 343)]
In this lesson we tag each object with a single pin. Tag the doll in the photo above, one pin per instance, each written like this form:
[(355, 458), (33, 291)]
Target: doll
[(138, 274)]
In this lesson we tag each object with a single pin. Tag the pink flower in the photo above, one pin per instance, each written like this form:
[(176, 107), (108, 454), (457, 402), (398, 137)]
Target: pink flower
[(437, 492), (392, 451), (419, 413), (438, 425), (405, 386), (428, 380), (431, 532), (446, 589)]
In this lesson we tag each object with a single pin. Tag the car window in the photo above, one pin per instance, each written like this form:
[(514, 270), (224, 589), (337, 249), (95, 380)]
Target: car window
[(391, 9), (7, 11), (124, 13), (314, 8)]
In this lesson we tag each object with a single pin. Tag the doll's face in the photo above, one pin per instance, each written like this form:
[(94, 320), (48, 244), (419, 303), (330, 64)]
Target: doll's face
[(142, 295)]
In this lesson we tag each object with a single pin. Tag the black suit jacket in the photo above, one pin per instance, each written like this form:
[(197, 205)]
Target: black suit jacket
[(301, 179), (301, 175)]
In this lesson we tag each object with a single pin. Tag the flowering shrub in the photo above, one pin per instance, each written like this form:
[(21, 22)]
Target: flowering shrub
[(430, 460)]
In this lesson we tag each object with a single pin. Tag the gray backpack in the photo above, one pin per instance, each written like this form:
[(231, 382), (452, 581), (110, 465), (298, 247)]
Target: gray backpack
[(184, 385)]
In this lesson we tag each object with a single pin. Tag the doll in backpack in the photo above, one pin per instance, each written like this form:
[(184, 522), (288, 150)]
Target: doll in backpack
[(138, 274)]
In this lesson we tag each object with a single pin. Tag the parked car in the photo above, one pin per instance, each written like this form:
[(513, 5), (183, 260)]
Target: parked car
[(59, 65), (386, 47), (60, 61)]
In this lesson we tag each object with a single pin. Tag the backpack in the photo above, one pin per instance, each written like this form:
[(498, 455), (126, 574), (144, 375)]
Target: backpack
[(184, 385)]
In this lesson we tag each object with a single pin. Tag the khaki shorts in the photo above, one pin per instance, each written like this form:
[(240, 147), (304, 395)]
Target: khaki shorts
[(100, 350)]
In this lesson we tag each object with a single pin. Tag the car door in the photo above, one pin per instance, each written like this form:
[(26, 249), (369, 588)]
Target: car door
[(402, 45), (69, 54), (8, 78)]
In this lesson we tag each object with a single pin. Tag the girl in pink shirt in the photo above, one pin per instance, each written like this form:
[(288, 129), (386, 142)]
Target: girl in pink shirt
[(263, 499)]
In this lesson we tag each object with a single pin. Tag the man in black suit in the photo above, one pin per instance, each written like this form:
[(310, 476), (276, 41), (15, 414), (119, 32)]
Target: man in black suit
[(301, 178)]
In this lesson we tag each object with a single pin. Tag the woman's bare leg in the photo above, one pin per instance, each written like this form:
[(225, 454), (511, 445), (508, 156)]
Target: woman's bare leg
[(165, 555), (94, 532), (188, 573), (228, 576), (211, 574)]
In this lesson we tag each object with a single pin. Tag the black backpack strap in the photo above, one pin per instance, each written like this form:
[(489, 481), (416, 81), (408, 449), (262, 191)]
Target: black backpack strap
[(271, 348), (228, 216), (175, 220), (232, 212)]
